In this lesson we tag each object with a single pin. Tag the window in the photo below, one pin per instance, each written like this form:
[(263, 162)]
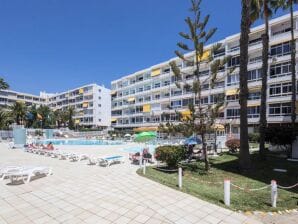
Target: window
[(233, 113), (204, 100), (253, 112), (254, 75), (176, 104), (219, 53), (176, 92), (234, 61), (186, 102), (254, 96), (166, 83), (216, 98), (205, 86), (233, 80), (255, 41), (280, 49), (280, 89), (157, 85), (284, 30), (281, 69), (203, 73), (147, 98), (147, 88), (232, 98), (255, 60), (219, 84), (279, 109), (157, 97)]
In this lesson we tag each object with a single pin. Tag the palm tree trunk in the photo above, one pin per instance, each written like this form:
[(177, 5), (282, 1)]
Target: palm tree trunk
[(263, 120), (244, 156), (293, 67)]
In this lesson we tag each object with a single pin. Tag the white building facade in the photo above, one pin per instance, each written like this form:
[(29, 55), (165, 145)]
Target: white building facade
[(149, 97), (92, 103)]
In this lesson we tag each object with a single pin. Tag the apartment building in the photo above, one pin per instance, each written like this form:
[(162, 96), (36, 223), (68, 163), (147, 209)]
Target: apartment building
[(92, 103), (150, 96), (8, 97)]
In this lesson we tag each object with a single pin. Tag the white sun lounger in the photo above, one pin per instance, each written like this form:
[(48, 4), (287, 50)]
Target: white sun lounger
[(92, 160), (26, 173), (77, 157), (6, 169), (107, 161)]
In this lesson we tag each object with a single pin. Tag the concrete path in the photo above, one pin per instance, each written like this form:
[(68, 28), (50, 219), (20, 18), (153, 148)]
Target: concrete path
[(78, 193)]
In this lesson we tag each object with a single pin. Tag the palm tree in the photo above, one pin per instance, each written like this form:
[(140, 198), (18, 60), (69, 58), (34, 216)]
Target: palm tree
[(18, 112), (289, 5), (244, 157), (70, 113), (45, 114), (262, 8), (3, 84), (58, 117), (5, 119)]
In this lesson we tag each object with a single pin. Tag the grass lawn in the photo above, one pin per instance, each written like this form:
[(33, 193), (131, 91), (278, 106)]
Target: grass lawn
[(226, 166)]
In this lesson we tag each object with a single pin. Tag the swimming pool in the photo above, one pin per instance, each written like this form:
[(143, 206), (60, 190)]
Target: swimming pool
[(79, 142), (135, 149)]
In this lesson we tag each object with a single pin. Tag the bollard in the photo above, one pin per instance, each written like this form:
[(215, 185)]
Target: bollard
[(273, 193), (144, 167), (141, 160), (180, 177), (227, 193)]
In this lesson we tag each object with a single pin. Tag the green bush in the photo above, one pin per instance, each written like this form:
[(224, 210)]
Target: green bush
[(280, 135), (254, 137), (171, 155), (233, 145)]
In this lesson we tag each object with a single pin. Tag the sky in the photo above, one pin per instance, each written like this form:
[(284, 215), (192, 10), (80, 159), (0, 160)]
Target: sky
[(55, 45)]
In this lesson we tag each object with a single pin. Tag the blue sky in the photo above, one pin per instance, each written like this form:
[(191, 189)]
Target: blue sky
[(54, 45)]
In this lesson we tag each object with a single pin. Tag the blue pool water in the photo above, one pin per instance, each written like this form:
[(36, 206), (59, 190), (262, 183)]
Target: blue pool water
[(136, 149), (79, 142)]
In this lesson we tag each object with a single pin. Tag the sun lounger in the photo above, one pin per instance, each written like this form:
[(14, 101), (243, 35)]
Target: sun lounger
[(107, 161), (26, 173), (77, 157), (6, 169), (92, 160)]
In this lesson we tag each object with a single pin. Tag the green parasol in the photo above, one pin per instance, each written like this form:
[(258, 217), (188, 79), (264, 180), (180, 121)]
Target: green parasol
[(145, 136)]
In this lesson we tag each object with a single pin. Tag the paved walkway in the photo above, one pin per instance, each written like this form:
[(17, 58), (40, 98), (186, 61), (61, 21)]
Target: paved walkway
[(78, 193)]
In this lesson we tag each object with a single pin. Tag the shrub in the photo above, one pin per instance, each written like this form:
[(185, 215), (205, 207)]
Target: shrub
[(279, 135), (233, 144), (254, 137), (171, 155)]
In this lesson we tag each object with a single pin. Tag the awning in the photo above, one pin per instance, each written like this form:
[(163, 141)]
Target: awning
[(146, 108), (218, 127), (113, 119), (253, 104), (231, 92), (131, 99), (205, 56), (113, 92), (77, 121), (81, 91), (141, 129), (85, 104), (254, 88), (155, 72)]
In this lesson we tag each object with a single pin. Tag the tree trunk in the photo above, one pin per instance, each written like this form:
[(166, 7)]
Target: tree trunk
[(244, 156), (263, 119), (293, 70), (206, 160)]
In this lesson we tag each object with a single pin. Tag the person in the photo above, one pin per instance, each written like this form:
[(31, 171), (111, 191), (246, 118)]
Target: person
[(147, 155), (50, 146)]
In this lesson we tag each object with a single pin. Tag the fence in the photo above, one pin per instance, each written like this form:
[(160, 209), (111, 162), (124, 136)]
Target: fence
[(227, 187), (5, 134)]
